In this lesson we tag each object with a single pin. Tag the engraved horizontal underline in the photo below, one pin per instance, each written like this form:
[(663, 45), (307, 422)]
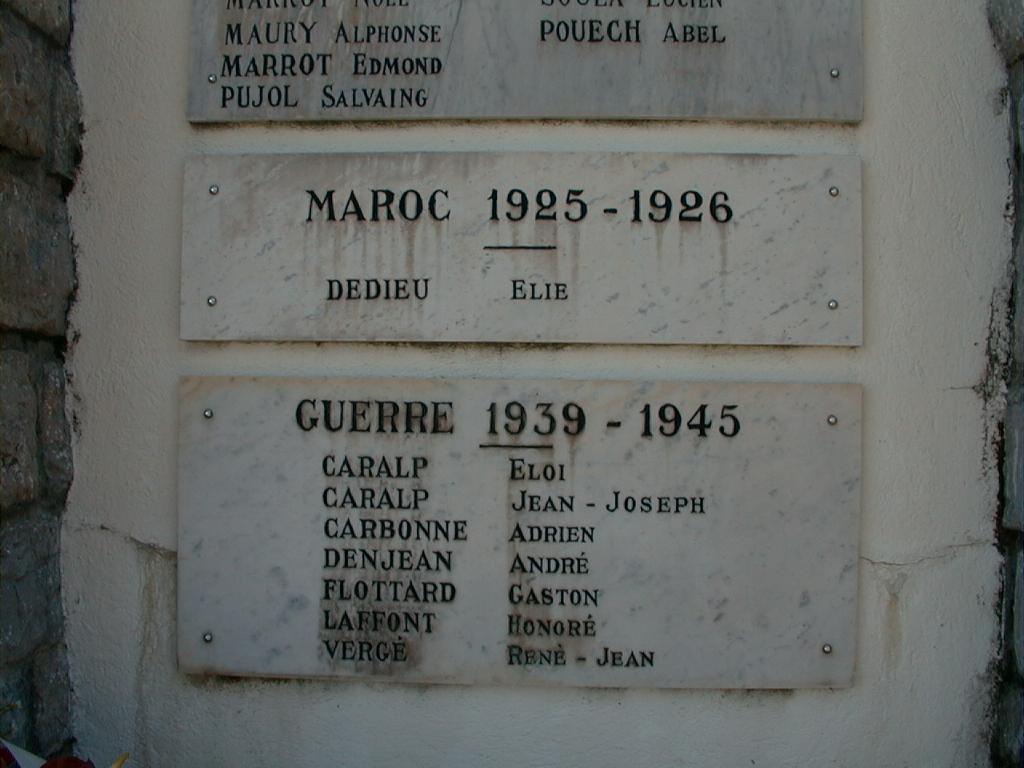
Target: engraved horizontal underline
[(520, 247), (524, 447)]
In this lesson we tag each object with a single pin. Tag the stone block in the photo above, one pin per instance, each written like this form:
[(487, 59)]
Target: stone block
[(24, 87), (1006, 18), (1013, 466), (36, 261), (1013, 463), (1013, 516), (50, 16), (19, 472), (30, 608), (54, 432), (15, 704), (65, 141), (1016, 85), (51, 706), (1009, 735), (1018, 614), (27, 543)]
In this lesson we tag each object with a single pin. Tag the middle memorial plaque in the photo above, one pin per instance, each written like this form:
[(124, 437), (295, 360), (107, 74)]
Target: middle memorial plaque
[(523, 247)]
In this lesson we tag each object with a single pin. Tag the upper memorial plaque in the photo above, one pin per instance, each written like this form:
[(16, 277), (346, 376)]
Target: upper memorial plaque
[(342, 60)]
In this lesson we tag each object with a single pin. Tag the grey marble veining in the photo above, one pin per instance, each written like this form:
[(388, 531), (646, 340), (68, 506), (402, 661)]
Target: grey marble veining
[(523, 247), (520, 532), (418, 59)]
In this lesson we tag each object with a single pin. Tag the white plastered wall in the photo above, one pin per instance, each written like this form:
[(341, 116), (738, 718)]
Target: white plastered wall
[(934, 151)]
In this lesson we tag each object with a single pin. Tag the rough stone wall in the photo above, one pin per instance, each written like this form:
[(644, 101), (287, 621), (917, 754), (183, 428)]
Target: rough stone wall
[(1007, 19), (39, 151)]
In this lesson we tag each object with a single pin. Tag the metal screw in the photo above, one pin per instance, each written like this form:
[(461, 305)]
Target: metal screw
[(211, 301), (826, 649), (208, 413), (214, 189), (211, 79), (834, 72), (207, 637), (834, 191), (833, 304), (832, 421)]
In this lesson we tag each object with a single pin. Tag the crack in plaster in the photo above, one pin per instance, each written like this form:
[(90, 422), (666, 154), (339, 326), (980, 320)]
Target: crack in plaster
[(947, 552), (147, 546)]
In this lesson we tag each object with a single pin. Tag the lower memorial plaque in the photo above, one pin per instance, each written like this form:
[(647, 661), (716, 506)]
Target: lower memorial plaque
[(591, 533)]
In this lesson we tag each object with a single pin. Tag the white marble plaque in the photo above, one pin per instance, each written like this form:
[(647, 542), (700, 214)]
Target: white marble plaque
[(420, 59), (620, 534), (523, 247)]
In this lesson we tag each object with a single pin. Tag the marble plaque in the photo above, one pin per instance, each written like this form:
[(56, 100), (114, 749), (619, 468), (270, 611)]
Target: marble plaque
[(608, 59), (523, 247), (648, 534)]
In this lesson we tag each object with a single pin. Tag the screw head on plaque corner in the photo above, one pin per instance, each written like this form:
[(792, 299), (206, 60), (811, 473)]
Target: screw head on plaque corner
[(833, 304), (834, 191), (208, 413), (211, 301), (211, 79), (832, 420), (207, 637), (834, 72), (214, 189), (826, 649)]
